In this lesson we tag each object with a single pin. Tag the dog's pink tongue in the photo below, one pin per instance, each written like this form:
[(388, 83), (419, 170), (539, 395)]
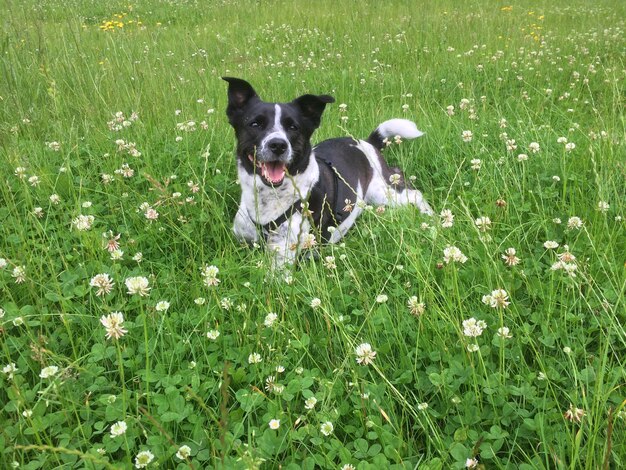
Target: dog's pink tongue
[(274, 171)]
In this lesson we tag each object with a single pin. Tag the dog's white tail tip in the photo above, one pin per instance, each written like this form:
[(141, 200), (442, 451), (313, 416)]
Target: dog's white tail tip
[(402, 127)]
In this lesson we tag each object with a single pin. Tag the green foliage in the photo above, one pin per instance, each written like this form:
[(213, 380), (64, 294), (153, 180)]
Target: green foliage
[(112, 124)]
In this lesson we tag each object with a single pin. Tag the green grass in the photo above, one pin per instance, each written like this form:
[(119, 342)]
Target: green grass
[(425, 401)]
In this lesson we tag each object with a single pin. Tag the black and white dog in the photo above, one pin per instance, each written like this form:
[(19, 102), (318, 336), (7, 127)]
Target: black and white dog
[(290, 190)]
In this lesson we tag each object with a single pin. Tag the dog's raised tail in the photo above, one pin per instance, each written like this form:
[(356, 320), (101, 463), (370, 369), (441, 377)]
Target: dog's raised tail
[(390, 129)]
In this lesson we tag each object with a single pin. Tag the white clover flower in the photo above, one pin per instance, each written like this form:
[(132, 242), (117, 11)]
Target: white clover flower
[(476, 164), (114, 325), (143, 459), (9, 370), (270, 318), (327, 428), (467, 136), (534, 147), (381, 298), (151, 214), (574, 414), (504, 332), (472, 347), (20, 172), (162, 306), (310, 403), (473, 328), (209, 273), (483, 223), (183, 452), (83, 223), (19, 274), (497, 299), (510, 257), (365, 354), (511, 145), (603, 206), (422, 406), (254, 358), (550, 245), (394, 179), (48, 372), (212, 334), (329, 262), (308, 241), (447, 218), (54, 145), (416, 307), (118, 429), (103, 283), (274, 424), (138, 285), (452, 253), (574, 223), (315, 303), (471, 463)]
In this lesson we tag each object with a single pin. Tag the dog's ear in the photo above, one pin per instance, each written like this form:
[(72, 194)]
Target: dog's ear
[(312, 106), (240, 93)]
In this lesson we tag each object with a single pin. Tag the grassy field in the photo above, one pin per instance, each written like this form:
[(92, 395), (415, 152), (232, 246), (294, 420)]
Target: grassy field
[(495, 327)]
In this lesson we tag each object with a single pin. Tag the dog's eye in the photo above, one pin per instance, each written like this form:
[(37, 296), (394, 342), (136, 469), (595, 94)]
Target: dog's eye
[(293, 127), (255, 124)]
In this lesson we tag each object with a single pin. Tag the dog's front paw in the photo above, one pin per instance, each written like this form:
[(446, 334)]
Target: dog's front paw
[(425, 208)]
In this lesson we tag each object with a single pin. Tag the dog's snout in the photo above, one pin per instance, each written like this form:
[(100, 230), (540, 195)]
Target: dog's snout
[(277, 146)]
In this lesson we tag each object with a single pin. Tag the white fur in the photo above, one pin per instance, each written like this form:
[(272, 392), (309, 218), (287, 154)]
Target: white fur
[(264, 203), (285, 242), (402, 127), (278, 131), (260, 204), (380, 191), (341, 230)]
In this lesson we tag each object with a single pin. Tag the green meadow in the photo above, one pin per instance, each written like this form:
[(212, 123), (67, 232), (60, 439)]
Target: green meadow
[(136, 332)]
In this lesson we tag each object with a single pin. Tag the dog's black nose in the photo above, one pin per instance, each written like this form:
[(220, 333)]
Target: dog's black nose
[(277, 146)]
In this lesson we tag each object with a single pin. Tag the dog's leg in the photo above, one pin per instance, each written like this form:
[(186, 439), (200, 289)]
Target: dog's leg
[(411, 196), (341, 230), (388, 186), (244, 228), (380, 192), (287, 240)]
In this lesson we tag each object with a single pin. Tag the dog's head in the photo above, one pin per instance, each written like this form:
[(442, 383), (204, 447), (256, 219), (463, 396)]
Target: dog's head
[(273, 139)]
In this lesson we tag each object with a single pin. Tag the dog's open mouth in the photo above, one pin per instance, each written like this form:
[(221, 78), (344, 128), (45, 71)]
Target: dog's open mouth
[(272, 173)]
